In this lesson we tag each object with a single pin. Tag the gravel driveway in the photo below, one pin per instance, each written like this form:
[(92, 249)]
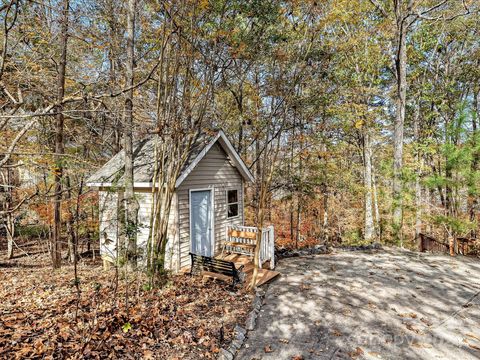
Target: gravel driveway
[(388, 304)]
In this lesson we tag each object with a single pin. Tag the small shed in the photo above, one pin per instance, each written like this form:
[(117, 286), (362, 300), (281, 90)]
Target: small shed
[(208, 200)]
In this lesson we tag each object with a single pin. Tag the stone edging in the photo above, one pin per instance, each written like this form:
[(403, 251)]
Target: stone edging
[(240, 333)]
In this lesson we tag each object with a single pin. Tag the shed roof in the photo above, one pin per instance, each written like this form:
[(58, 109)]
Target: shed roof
[(143, 162)]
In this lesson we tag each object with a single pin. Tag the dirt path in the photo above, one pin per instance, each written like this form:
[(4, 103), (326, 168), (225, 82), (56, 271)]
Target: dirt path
[(391, 304)]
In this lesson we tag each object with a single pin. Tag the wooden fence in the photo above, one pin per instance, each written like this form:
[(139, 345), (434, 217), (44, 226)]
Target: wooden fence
[(463, 246), (429, 243)]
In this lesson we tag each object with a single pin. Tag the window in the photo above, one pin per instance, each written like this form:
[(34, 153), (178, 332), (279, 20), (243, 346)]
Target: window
[(232, 203)]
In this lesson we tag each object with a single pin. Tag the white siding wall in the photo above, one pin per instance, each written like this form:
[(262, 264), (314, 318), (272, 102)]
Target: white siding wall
[(109, 225), (214, 171), (107, 202), (144, 198)]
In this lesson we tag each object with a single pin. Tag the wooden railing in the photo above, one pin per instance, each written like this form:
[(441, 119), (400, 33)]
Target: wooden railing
[(267, 246), (467, 246), (462, 245), (429, 243), (245, 239)]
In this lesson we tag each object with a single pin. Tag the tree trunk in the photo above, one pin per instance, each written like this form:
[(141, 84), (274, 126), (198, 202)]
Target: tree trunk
[(292, 190), (131, 207), (472, 196), (299, 219), (378, 224), (114, 63), (326, 237), (71, 236), (10, 227), (418, 171), (59, 146), (369, 228), (324, 191), (400, 103), (300, 174)]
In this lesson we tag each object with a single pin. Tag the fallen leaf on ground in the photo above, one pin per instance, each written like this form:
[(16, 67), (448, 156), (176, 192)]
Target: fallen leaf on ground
[(474, 347), (413, 328), (472, 336), (421, 345), (148, 355), (268, 349), (356, 353), (426, 321), (408, 315)]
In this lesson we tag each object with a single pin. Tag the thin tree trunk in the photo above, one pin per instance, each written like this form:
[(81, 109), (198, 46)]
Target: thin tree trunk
[(325, 214), (71, 236), (375, 205), (131, 206), (400, 104), (418, 171), (300, 174), (114, 69), (291, 222), (10, 227), (239, 99), (472, 198), (292, 197), (369, 228), (59, 146), (324, 190), (6, 206)]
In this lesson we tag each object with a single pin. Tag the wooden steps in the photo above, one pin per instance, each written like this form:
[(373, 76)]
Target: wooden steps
[(264, 275)]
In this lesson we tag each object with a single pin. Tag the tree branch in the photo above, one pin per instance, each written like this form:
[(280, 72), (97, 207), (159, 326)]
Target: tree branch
[(379, 7)]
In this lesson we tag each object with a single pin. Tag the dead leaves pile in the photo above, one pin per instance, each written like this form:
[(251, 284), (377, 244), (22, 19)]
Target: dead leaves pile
[(188, 319)]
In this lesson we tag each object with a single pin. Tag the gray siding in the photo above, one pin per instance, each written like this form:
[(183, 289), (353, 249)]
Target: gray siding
[(216, 172)]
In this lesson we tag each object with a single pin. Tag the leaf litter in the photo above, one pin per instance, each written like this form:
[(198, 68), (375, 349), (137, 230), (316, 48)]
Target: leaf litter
[(186, 319)]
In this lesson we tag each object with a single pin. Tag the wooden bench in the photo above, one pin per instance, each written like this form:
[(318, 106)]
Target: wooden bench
[(216, 268)]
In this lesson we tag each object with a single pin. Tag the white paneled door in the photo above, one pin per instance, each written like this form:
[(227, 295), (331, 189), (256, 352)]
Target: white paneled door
[(201, 222)]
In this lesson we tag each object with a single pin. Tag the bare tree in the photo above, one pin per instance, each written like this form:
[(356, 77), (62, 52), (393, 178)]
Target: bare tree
[(55, 248), (183, 97), (131, 206)]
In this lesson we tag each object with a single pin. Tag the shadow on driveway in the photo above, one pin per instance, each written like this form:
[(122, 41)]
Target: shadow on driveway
[(390, 304)]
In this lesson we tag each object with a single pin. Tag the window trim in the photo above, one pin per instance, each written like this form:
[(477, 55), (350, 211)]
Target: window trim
[(237, 202)]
